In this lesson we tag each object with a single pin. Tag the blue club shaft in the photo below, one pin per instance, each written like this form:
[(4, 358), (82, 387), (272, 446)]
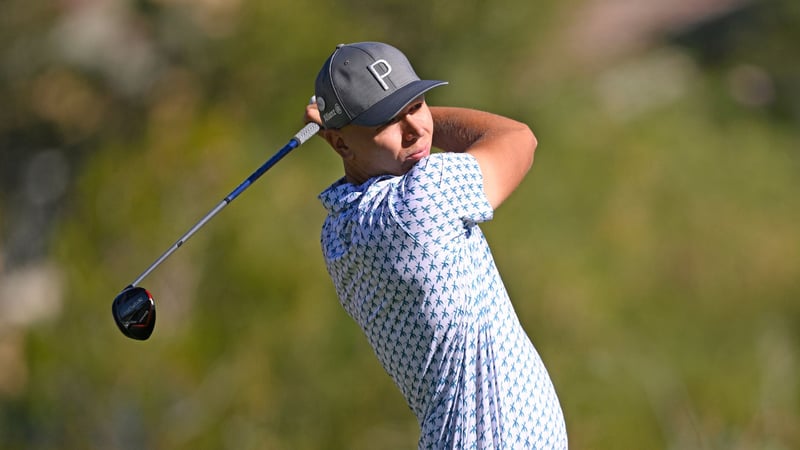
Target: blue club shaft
[(301, 137)]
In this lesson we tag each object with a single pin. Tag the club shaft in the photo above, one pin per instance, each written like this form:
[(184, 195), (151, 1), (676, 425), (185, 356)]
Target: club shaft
[(302, 136)]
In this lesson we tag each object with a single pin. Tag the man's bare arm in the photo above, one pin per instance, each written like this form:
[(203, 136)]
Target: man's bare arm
[(503, 147)]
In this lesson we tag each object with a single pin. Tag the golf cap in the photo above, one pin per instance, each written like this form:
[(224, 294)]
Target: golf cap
[(366, 83)]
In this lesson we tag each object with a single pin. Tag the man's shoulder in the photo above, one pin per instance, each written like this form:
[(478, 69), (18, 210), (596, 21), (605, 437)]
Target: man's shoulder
[(436, 161)]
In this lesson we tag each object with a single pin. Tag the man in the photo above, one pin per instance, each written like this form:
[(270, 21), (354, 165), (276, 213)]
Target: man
[(402, 244)]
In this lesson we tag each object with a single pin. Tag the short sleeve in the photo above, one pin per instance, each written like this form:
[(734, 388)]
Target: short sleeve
[(441, 198)]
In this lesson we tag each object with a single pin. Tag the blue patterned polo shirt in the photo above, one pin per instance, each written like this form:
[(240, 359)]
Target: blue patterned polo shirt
[(413, 269)]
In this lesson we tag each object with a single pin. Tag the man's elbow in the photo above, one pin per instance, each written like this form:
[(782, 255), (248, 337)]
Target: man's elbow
[(528, 144)]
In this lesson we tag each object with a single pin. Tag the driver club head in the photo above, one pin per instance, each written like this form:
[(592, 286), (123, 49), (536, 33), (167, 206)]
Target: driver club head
[(134, 312)]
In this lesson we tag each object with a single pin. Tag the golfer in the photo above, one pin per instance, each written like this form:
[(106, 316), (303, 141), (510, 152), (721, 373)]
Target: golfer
[(409, 262)]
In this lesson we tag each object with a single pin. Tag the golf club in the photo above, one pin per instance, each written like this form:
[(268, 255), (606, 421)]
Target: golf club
[(134, 309)]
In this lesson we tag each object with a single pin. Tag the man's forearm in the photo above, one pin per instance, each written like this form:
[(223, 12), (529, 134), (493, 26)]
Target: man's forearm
[(455, 129)]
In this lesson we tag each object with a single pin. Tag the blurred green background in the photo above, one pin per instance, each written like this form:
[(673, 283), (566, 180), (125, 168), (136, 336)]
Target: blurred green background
[(653, 254)]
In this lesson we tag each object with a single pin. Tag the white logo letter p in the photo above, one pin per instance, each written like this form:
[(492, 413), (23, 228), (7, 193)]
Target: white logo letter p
[(387, 69)]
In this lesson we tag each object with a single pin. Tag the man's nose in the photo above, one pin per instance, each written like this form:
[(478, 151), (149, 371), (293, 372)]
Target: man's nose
[(412, 127)]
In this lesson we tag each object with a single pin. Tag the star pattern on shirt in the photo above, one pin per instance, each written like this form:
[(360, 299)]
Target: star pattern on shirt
[(413, 269)]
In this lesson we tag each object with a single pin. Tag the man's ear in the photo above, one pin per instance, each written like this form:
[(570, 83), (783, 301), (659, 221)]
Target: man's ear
[(336, 141)]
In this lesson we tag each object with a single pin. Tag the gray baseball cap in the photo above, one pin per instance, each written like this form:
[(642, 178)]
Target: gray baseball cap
[(366, 83)]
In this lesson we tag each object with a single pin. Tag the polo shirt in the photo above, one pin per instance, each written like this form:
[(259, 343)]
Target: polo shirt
[(411, 266)]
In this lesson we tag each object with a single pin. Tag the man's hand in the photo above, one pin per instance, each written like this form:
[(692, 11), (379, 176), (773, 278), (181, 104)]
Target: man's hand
[(312, 113)]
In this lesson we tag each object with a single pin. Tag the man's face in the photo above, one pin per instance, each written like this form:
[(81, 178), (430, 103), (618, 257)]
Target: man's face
[(393, 148)]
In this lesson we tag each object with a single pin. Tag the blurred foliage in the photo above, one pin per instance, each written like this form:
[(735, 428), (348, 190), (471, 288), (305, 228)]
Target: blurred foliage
[(653, 254)]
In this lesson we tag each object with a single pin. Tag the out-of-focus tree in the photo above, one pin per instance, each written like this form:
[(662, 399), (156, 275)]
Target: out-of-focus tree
[(652, 254)]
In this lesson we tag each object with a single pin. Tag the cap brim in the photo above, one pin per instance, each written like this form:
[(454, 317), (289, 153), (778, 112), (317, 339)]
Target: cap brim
[(386, 109)]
